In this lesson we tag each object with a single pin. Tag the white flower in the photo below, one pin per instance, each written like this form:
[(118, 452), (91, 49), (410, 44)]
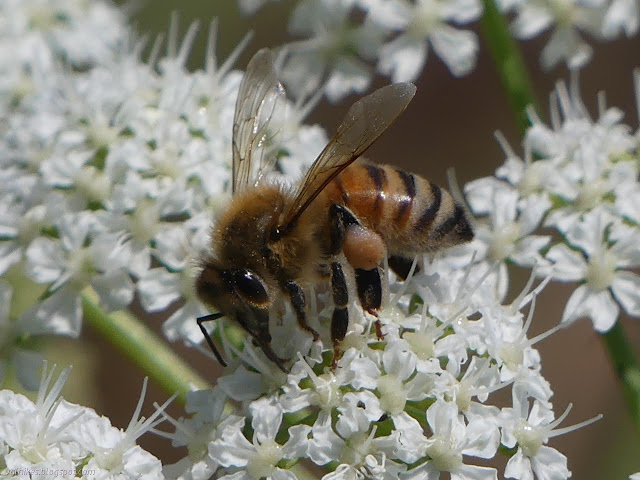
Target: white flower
[(336, 48), (26, 363), (508, 235), (176, 248), (68, 265), (207, 422), (530, 428), (258, 459), (621, 16), (567, 17), (452, 438), (81, 33), (54, 434), (19, 225), (601, 268), (426, 21), (251, 6)]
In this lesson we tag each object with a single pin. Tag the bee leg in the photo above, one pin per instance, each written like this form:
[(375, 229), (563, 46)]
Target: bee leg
[(261, 335), (369, 288), (265, 346), (339, 218), (363, 247), (340, 318), (296, 295), (401, 266)]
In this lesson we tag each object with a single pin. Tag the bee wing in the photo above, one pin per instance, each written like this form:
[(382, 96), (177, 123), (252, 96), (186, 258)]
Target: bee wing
[(365, 121), (259, 97)]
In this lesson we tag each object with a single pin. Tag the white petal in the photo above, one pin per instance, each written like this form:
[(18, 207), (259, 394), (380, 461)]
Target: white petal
[(240, 475), (402, 58), (298, 443), (10, 254), (481, 439), (411, 438), (232, 450), (182, 323), (532, 210), (458, 49), (348, 75), (74, 229), (61, 314), (325, 446), (281, 474), (569, 265), (626, 289), (172, 246), (531, 21), (472, 472), (626, 247), (398, 360), (461, 11), (600, 307), (588, 233), (139, 464), (519, 466), (115, 289), (505, 204), (27, 367), (242, 385), (390, 15), (249, 7), (267, 417), (443, 419), (549, 464), (426, 471), (528, 250), (621, 15), (45, 260), (565, 43), (158, 289), (480, 192)]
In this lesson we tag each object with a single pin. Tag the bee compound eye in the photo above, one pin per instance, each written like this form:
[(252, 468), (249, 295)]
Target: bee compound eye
[(250, 287)]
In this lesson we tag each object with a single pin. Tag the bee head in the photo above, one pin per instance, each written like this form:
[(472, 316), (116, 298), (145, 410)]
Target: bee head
[(239, 294), (215, 285)]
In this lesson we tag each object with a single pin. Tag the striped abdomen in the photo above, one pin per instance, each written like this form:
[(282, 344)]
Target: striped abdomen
[(409, 212)]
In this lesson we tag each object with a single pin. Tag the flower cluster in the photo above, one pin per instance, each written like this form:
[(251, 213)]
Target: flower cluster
[(409, 404), (342, 38), (585, 186), (52, 438), (112, 168)]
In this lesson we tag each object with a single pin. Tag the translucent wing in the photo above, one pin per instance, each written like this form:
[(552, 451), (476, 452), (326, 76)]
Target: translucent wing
[(259, 98), (364, 123)]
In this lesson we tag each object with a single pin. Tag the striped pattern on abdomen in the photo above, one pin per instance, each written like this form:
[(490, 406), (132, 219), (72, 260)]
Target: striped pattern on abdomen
[(409, 212)]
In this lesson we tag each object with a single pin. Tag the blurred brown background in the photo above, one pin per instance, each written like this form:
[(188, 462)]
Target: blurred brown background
[(449, 123)]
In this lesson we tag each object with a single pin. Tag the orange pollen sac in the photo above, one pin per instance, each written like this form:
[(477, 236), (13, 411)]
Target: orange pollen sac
[(363, 248)]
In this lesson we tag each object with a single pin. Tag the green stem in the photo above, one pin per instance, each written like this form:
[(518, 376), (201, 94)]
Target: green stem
[(509, 63), (146, 349), (626, 366)]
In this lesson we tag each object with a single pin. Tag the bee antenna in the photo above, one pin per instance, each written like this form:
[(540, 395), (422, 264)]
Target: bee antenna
[(211, 318)]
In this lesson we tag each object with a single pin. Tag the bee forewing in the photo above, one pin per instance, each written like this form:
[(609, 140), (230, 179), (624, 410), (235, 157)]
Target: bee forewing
[(257, 120), (365, 121)]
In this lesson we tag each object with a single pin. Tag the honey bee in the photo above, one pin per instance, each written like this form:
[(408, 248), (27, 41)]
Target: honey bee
[(275, 241)]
